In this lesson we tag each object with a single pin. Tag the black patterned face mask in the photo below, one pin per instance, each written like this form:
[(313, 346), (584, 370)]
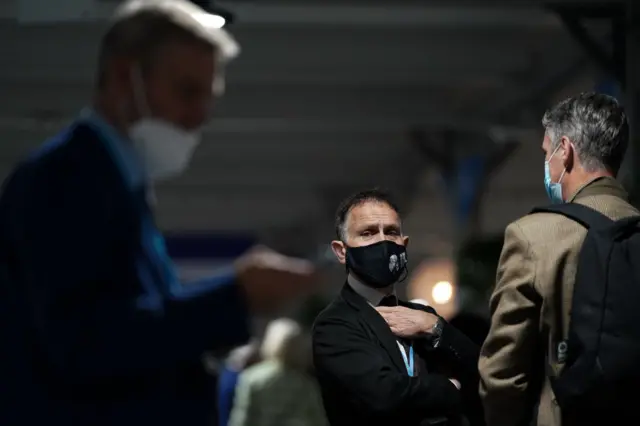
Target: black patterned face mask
[(378, 265)]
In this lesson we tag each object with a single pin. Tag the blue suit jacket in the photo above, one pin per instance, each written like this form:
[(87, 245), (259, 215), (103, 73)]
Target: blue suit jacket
[(95, 328)]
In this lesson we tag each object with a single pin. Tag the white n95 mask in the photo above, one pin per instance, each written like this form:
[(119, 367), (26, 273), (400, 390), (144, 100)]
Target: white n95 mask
[(164, 148)]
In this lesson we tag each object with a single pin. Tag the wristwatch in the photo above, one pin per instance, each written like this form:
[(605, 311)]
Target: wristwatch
[(436, 332)]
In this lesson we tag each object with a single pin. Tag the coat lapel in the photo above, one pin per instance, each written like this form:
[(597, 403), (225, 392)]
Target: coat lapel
[(376, 323)]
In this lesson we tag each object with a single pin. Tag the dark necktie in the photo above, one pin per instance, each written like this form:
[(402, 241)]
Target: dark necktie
[(390, 300)]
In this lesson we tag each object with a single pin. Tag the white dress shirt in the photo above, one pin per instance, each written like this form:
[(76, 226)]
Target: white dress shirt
[(373, 297)]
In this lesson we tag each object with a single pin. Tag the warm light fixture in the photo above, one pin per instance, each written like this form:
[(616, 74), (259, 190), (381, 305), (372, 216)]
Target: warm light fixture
[(433, 281), (442, 292)]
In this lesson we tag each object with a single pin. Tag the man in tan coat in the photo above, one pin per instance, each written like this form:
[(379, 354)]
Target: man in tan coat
[(584, 143)]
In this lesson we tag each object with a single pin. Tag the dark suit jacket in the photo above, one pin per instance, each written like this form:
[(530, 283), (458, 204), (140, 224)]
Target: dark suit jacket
[(92, 332), (363, 377)]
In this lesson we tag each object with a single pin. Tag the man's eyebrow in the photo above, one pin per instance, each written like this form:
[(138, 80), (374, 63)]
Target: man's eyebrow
[(368, 226)]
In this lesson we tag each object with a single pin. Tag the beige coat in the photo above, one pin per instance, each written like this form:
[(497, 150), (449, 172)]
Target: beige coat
[(538, 251)]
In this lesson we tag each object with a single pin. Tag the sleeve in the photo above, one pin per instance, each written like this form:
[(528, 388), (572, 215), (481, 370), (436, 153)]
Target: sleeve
[(94, 308), (506, 362), (244, 411), (345, 356), (454, 347)]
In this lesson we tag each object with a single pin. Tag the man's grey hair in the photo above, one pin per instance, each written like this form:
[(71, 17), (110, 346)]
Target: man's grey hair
[(597, 126), (139, 28)]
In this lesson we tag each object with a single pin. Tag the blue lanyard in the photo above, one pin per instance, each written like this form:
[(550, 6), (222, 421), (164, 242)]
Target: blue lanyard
[(408, 362)]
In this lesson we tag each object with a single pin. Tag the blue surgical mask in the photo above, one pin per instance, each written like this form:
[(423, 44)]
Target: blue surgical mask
[(554, 189)]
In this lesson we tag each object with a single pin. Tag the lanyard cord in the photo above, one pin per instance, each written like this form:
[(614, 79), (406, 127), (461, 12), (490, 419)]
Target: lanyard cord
[(408, 363)]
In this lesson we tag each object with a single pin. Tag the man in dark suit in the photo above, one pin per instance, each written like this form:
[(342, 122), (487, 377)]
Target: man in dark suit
[(379, 360), (95, 327)]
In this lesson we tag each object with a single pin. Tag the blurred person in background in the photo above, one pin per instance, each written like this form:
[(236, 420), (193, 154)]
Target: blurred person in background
[(585, 141), (96, 328), (278, 391), (238, 360), (380, 360)]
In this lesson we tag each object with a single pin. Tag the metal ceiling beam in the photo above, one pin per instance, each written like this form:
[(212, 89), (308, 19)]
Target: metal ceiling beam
[(384, 16), (536, 97), (374, 12), (274, 110), (311, 13), (465, 173), (316, 46), (257, 125), (243, 79), (448, 3), (573, 17)]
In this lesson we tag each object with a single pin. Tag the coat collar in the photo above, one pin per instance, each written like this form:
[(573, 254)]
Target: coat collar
[(371, 295), (600, 186), (119, 147), (375, 322)]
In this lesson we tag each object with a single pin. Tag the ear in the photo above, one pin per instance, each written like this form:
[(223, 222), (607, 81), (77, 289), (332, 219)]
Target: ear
[(339, 250), (121, 75), (405, 240), (567, 152)]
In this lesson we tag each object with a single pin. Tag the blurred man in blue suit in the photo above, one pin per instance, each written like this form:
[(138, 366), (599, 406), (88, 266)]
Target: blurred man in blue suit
[(96, 328)]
